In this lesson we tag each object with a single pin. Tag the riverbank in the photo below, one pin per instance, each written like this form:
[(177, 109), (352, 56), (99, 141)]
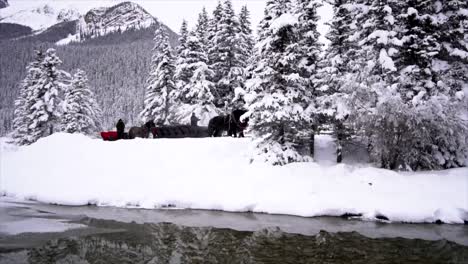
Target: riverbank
[(117, 235)]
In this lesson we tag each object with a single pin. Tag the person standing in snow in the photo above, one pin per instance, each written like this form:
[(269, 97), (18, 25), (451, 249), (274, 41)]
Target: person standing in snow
[(194, 120), (120, 129)]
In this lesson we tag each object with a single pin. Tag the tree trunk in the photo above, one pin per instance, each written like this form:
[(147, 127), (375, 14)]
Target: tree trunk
[(339, 155), (312, 141), (339, 136)]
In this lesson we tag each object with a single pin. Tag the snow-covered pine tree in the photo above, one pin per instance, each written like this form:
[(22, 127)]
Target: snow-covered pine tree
[(159, 34), (245, 37), (81, 112), (276, 95), (21, 121), (372, 84), (431, 103), (196, 97), (246, 44), (202, 29), (158, 93), (213, 28), (45, 112), (158, 39), (227, 65), (309, 45), (182, 74), (309, 49), (335, 66), (453, 81), (401, 99)]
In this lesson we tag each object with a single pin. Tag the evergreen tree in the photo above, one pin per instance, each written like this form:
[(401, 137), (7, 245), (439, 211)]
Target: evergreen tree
[(159, 35), (195, 97), (22, 121), (227, 63), (200, 75), (306, 11), (277, 97), (81, 113), (309, 49), (44, 97), (246, 44), (213, 28), (395, 89), (183, 73), (372, 71), (335, 66), (245, 37), (202, 29), (453, 45), (157, 97), (436, 136)]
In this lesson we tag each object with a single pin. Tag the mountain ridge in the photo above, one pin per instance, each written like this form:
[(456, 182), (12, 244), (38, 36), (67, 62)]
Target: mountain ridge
[(121, 17), (3, 3), (96, 22)]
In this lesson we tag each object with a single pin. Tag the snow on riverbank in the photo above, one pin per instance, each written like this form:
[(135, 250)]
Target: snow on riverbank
[(215, 173)]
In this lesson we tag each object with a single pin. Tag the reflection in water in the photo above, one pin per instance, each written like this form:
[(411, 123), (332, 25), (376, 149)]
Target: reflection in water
[(171, 243)]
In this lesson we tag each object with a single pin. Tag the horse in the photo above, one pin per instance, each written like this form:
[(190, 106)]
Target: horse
[(240, 126), (230, 123), (142, 132)]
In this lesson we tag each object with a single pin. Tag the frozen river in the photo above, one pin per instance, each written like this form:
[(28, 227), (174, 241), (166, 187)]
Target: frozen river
[(42, 233)]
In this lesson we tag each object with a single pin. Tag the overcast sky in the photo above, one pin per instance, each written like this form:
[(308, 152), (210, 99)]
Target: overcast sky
[(170, 12)]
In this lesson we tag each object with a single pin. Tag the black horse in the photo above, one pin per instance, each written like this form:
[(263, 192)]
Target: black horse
[(142, 132), (230, 123)]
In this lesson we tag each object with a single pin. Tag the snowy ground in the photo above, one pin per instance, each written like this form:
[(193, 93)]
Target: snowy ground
[(215, 173)]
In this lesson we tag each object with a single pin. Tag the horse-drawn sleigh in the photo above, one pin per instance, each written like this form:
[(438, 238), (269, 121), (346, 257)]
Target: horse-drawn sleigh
[(231, 123)]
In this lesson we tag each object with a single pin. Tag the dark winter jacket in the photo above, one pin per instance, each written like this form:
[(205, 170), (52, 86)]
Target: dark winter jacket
[(120, 128), (194, 120)]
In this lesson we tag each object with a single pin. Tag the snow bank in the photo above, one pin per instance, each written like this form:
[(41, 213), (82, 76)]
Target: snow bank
[(37, 225), (70, 38), (215, 173)]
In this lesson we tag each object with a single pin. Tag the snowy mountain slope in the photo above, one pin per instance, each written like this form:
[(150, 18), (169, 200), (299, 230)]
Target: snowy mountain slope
[(48, 22), (3, 3), (121, 17), (41, 17)]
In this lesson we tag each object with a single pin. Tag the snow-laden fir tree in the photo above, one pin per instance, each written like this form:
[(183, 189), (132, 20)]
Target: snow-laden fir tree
[(182, 74), (213, 28), (432, 133), (22, 121), (309, 49), (227, 65), (370, 87), (309, 45), (81, 112), (197, 96), (202, 29), (277, 97), (199, 89), (454, 45), (246, 47), (45, 112), (158, 93), (400, 99), (335, 66), (245, 36), (159, 35)]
